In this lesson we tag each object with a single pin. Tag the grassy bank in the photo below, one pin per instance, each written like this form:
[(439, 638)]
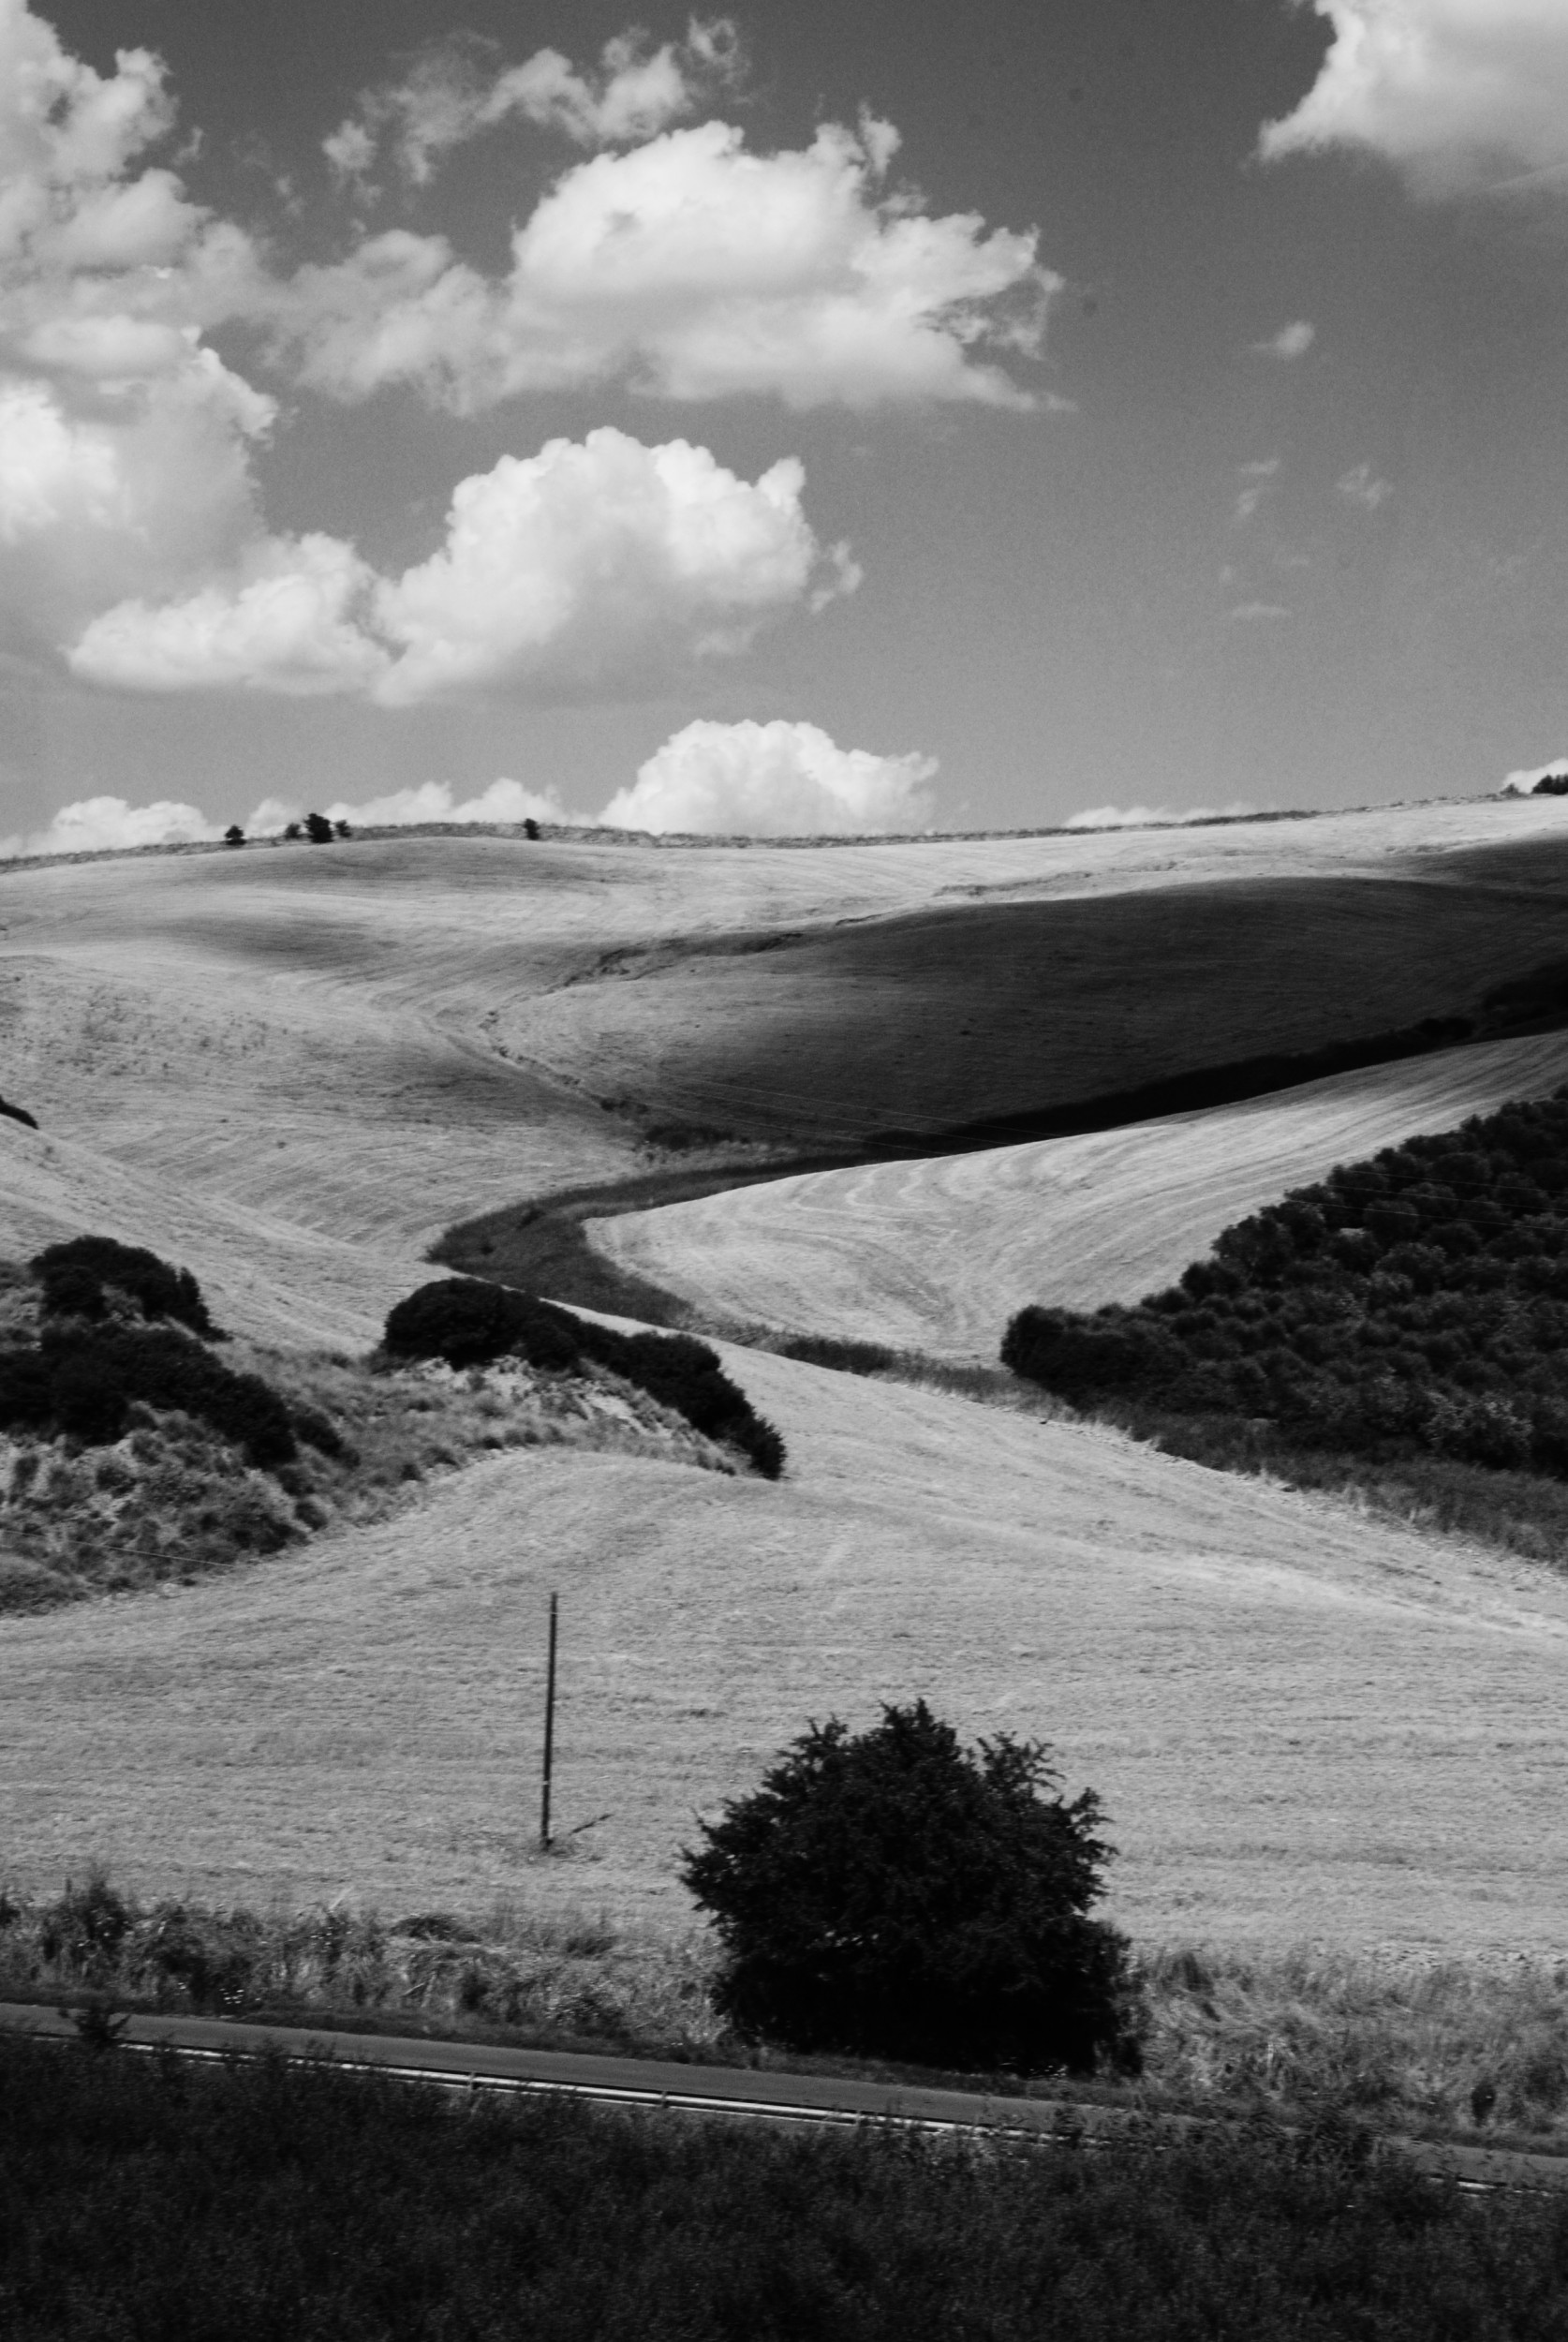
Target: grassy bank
[(1466, 2048), (144, 2198)]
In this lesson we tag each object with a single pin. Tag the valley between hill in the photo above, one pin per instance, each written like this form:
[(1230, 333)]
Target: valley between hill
[(290, 1069)]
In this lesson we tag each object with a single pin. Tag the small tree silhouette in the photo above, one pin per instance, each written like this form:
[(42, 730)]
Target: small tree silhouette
[(233, 835), (890, 1893), (343, 829), (530, 827), (318, 829), (291, 829)]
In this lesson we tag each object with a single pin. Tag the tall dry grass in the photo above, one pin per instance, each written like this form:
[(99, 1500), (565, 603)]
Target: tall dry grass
[(1475, 2048)]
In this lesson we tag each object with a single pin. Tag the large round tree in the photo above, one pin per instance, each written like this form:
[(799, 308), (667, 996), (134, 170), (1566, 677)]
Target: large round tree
[(890, 1893)]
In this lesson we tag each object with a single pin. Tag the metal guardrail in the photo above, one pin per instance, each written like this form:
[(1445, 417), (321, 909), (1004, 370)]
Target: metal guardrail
[(742, 2094)]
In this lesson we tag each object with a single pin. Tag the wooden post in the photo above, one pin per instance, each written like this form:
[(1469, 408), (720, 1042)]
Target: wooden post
[(549, 1734)]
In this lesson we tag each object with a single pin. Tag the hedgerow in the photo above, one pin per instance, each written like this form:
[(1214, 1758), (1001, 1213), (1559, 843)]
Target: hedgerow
[(1416, 1302), (467, 1321)]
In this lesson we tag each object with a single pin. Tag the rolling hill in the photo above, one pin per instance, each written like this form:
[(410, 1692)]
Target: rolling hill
[(290, 1068), (934, 1254)]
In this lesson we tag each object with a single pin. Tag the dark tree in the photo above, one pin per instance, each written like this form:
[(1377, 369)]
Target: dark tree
[(318, 829), (233, 835), (291, 829), (890, 1893), (530, 827), (343, 829)]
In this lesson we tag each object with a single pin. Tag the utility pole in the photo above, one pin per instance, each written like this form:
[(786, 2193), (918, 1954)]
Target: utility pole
[(549, 1734)]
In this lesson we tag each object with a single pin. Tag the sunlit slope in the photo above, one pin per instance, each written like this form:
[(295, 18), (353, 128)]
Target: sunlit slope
[(937, 1254), (366, 1042), (1304, 1725)]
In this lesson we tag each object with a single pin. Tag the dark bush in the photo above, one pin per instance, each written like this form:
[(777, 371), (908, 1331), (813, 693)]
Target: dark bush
[(891, 1893), (73, 1276), (233, 835), (318, 829), (469, 1322), (85, 1929), (92, 1374), (26, 1390), (460, 1319)]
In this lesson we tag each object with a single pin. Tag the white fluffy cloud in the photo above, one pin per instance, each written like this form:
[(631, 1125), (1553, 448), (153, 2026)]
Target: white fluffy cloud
[(99, 825), (1521, 784), (772, 781), (1458, 93), (696, 271), (1154, 816), (1291, 341), (434, 801), (454, 95), (286, 622), (585, 566)]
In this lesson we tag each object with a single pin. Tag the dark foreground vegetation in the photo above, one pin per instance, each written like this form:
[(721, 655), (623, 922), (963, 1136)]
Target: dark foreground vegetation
[(467, 1320), (1410, 1313), (270, 2204)]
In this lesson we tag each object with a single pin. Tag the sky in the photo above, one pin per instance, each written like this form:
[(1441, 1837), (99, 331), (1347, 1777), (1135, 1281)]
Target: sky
[(801, 418)]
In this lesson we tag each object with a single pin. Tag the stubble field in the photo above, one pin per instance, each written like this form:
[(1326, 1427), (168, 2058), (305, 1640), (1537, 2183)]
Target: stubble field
[(290, 1069)]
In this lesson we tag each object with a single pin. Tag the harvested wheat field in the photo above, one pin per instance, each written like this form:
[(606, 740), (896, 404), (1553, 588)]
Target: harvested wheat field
[(290, 1068), (1304, 1725), (366, 1042), (937, 1254)]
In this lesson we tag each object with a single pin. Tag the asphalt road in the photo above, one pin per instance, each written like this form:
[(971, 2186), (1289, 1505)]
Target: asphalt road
[(741, 2092)]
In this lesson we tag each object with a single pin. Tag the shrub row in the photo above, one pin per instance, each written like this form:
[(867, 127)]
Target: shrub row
[(1417, 1300), (468, 1322)]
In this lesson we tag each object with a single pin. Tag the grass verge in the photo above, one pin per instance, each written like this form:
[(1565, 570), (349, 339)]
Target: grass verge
[(1475, 2049)]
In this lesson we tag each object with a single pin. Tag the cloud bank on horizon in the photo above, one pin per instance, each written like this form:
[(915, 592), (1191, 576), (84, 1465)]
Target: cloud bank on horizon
[(710, 779)]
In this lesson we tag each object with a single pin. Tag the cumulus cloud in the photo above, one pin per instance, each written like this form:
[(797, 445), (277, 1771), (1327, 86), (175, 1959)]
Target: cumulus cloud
[(1521, 784), (588, 565), (1362, 486), (772, 781), (286, 622), (694, 269), (454, 93), (1456, 93), (1291, 341), (99, 824), (434, 801), (1155, 816)]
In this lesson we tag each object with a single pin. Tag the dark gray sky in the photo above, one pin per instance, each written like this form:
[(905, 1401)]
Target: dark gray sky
[(1275, 512)]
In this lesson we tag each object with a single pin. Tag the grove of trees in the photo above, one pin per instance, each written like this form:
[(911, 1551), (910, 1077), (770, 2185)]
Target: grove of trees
[(1418, 1300)]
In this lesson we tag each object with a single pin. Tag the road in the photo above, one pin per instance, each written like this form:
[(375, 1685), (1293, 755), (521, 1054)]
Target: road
[(743, 2093)]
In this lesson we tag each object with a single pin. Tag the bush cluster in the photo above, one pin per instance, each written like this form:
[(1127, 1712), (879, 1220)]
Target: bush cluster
[(469, 1322), (84, 1379), (90, 1365), (74, 1278), (891, 1893), (1417, 1301)]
